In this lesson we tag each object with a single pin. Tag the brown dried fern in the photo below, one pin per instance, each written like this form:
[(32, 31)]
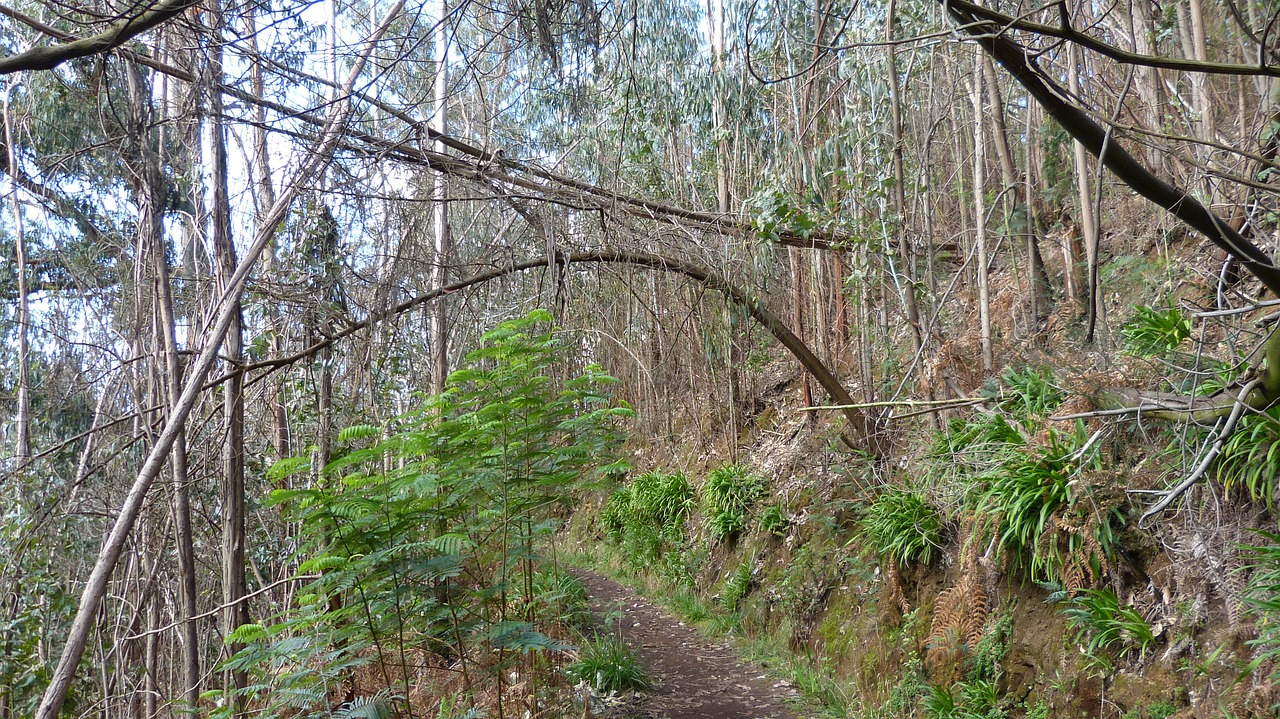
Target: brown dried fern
[(961, 609)]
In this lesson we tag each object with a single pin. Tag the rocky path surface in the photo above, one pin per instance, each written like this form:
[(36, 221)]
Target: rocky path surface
[(695, 677)]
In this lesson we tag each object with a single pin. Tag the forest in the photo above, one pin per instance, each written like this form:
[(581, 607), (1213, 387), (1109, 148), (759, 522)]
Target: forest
[(639, 358)]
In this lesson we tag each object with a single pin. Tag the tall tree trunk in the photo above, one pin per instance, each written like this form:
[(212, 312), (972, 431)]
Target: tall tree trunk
[(903, 250), (1148, 78), (980, 218), (1205, 126), (150, 195), (444, 242), (266, 197), (1037, 276), (1088, 223), (22, 452), (235, 613)]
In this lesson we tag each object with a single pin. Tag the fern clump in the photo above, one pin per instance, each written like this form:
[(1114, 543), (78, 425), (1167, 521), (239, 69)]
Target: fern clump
[(773, 521), (736, 585), (1029, 392), (727, 497), (1030, 503), (900, 525), (646, 517)]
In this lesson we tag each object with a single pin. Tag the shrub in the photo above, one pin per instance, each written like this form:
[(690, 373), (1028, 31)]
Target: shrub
[(609, 665), (727, 497), (467, 486), (900, 525)]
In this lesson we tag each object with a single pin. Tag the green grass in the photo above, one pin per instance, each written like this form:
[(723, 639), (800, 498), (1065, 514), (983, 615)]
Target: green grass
[(609, 665)]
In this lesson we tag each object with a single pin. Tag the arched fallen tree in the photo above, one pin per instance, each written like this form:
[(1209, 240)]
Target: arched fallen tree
[(865, 430)]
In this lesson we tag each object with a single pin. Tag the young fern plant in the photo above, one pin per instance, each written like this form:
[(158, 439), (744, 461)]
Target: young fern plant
[(428, 551), (1104, 628)]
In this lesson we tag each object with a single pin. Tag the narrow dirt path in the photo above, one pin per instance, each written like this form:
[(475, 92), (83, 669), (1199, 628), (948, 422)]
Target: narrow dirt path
[(695, 678)]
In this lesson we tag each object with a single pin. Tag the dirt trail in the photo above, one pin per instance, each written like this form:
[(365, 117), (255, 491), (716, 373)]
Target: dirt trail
[(695, 677)]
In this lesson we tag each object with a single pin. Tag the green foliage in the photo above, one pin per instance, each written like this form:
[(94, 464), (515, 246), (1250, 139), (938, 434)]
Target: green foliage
[(647, 516), (979, 699), (1152, 333), (1250, 458), (985, 663), (1029, 392), (430, 553), (1262, 598), (727, 497), (773, 521), (609, 665), (1021, 497), (1105, 628), (736, 585), (900, 525), (553, 598)]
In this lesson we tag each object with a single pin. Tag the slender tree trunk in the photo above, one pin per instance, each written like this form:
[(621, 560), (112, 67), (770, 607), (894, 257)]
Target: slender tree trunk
[(233, 520), (444, 242), (904, 250), (1148, 78), (22, 452), (980, 218), (266, 197), (150, 196), (1088, 223), (1205, 126), (1038, 277)]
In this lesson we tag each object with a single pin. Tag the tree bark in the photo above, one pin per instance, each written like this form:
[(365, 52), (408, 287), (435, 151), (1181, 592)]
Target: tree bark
[(22, 452), (440, 210)]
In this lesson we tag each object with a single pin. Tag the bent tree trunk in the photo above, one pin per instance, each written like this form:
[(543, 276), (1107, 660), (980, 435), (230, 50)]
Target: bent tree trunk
[(863, 427)]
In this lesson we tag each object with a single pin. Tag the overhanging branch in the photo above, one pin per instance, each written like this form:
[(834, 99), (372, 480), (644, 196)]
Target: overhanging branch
[(47, 58)]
